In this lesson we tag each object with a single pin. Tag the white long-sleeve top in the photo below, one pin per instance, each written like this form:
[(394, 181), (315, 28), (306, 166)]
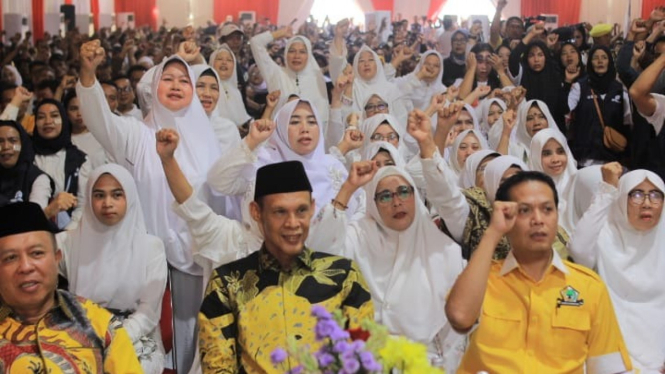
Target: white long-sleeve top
[(54, 166), (147, 311)]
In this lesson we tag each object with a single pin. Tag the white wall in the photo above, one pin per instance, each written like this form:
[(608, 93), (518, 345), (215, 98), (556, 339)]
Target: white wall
[(176, 12)]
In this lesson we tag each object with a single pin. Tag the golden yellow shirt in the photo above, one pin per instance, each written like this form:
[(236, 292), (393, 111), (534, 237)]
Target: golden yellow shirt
[(251, 307), (77, 336), (556, 325)]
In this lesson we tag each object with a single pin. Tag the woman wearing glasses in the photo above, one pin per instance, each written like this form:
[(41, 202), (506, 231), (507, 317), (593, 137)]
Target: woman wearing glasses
[(621, 236), (406, 260)]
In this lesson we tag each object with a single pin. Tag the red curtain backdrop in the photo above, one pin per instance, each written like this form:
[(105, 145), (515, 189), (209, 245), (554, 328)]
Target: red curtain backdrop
[(94, 9), (435, 6), (568, 10), (263, 8), (383, 5), (647, 7), (143, 11), (69, 2), (37, 19)]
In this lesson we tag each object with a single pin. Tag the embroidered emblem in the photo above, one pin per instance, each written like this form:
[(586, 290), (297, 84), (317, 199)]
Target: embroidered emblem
[(570, 297)]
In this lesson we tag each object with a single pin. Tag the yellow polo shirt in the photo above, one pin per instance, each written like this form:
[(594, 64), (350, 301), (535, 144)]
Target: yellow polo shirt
[(556, 325)]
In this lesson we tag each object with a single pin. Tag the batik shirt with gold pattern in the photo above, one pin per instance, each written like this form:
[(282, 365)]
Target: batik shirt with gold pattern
[(76, 336), (251, 306)]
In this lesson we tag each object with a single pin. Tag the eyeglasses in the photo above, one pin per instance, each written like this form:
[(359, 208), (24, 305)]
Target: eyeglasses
[(380, 137), (376, 107), (637, 197), (125, 89), (459, 41), (386, 197)]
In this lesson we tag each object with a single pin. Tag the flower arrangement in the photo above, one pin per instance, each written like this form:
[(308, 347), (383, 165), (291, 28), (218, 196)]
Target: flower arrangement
[(366, 350)]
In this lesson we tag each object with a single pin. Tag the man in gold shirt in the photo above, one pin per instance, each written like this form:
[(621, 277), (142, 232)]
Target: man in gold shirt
[(44, 330), (533, 312), (252, 305)]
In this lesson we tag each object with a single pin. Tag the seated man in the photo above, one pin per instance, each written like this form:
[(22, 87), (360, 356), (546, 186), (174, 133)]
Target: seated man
[(533, 312), (252, 305), (44, 330)]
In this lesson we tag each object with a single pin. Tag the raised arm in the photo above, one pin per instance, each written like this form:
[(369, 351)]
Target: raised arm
[(121, 137), (495, 28), (582, 245), (442, 189), (258, 43), (640, 91), (225, 175), (465, 300), (217, 239), (469, 76)]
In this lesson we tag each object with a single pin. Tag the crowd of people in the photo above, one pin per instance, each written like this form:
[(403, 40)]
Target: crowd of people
[(496, 198)]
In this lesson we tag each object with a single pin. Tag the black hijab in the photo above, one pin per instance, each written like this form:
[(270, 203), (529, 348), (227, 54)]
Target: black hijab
[(601, 83), (21, 176), (541, 85), (63, 140)]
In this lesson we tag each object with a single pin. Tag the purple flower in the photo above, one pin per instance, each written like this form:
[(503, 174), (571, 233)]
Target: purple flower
[(351, 366), (320, 312), (325, 359), (358, 345), (368, 362), (295, 370), (278, 356), (338, 334), (324, 328), (341, 346)]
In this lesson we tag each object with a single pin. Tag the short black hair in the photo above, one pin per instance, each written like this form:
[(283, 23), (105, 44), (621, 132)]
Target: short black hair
[(503, 193), (50, 84), (118, 77), (109, 83), (134, 68)]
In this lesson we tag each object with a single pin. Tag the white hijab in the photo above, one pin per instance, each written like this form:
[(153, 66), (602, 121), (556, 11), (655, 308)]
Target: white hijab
[(364, 89), (468, 176), (322, 169), (414, 267), (369, 126), (225, 130), (422, 95), (454, 163), (107, 264), (375, 147), (521, 146), (230, 104), (484, 113), (632, 264), (494, 172), (578, 196), (197, 152), (310, 84), (535, 160)]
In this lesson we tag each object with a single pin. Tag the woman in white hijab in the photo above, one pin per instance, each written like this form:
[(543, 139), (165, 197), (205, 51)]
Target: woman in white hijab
[(208, 92), (295, 135), (622, 237), (301, 76), (230, 105), (384, 153), (474, 168), (490, 112), (466, 144), (550, 154), (111, 260), (131, 143), (424, 82), (531, 118), (406, 260), (370, 79), (10, 74)]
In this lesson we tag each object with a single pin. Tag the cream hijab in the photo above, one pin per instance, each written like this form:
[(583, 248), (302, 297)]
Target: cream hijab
[(375, 147), (535, 160), (230, 104), (225, 130), (417, 266), (107, 264), (494, 173), (632, 264)]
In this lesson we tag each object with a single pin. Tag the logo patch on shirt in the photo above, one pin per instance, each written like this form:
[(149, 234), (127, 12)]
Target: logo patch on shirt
[(570, 297)]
